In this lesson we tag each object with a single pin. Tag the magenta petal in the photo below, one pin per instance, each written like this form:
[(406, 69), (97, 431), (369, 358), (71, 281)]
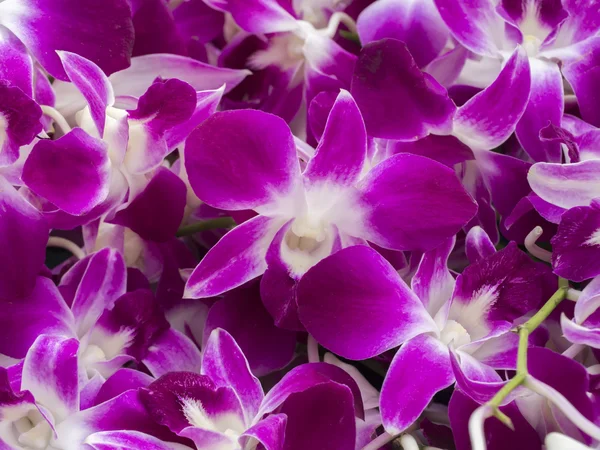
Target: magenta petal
[(445, 149), (397, 100), (419, 370), (104, 31), (99, 280), (356, 305), (341, 153), (173, 351), (17, 67), (43, 311), (23, 238), (575, 246), (155, 29), (474, 23), (156, 213), (242, 314), (122, 381), (129, 440), (490, 117), (545, 106), (237, 258), (478, 245), (241, 160), (331, 425), (413, 203), (72, 172), (257, 16), (226, 365), (93, 84), (580, 334), (270, 431), (418, 24), (50, 374), (588, 301)]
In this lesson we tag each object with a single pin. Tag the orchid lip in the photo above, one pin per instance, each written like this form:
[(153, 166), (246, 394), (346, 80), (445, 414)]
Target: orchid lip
[(33, 430)]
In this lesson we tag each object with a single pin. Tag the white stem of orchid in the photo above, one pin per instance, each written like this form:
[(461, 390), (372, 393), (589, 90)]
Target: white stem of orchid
[(558, 400), (334, 23), (57, 117), (408, 442), (476, 432), (379, 441), (573, 350), (573, 294), (55, 241), (312, 348), (532, 247)]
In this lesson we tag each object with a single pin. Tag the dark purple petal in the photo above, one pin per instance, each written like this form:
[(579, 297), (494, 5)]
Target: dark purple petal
[(545, 106), (122, 381), (196, 20), (397, 100), (226, 365), (241, 160), (447, 150), (93, 84), (237, 258), (576, 245), (490, 117), (419, 370), (50, 374), (342, 150), (43, 311), (23, 238), (331, 425), (104, 32), (413, 203), (419, 25), (156, 213), (356, 305), (72, 172), (19, 122), (155, 29), (242, 314)]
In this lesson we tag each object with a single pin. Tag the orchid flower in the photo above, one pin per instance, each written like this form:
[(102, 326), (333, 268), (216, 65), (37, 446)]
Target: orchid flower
[(306, 215), (469, 319)]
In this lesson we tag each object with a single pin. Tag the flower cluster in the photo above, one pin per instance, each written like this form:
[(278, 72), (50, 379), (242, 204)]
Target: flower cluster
[(299, 224)]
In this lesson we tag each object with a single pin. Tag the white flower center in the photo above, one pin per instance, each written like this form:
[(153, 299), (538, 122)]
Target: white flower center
[(454, 334), (33, 430), (227, 423)]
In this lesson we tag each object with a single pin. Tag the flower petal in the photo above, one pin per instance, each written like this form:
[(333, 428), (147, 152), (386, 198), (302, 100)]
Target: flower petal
[(104, 31), (412, 203), (420, 369), (386, 77), (579, 334), (50, 373), (566, 185), (589, 301), (73, 172), (237, 258), (342, 151), (23, 238), (257, 16), (173, 351), (356, 305), (545, 106), (129, 440), (418, 24), (121, 381), (478, 245), (19, 69), (226, 365), (270, 431), (490, 117)]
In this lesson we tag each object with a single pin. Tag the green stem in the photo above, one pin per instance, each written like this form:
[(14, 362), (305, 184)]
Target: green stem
[(210, 224)]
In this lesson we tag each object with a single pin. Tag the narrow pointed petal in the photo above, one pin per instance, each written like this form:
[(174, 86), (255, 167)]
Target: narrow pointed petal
[(72, 172), (478, 245), (50, 373), (226, 365), (411, 203), (270, 431), (237, 258), (129, 440), (490, 117), (241, 160), (545, 106), (342, 151), (579, 334), (92, 83), (360, 316), (104, 31), (475, 24), (173, 351), (588, 301), (566, 185), (144, 70), (17, 68), (99, 280), (157, 212), (23, 238), (420, 369), (43, 311), (386, 77), (433, 283), (257, 16), (418, 24)]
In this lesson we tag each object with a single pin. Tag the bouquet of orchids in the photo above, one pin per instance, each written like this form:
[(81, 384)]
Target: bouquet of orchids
[(299, 224)]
